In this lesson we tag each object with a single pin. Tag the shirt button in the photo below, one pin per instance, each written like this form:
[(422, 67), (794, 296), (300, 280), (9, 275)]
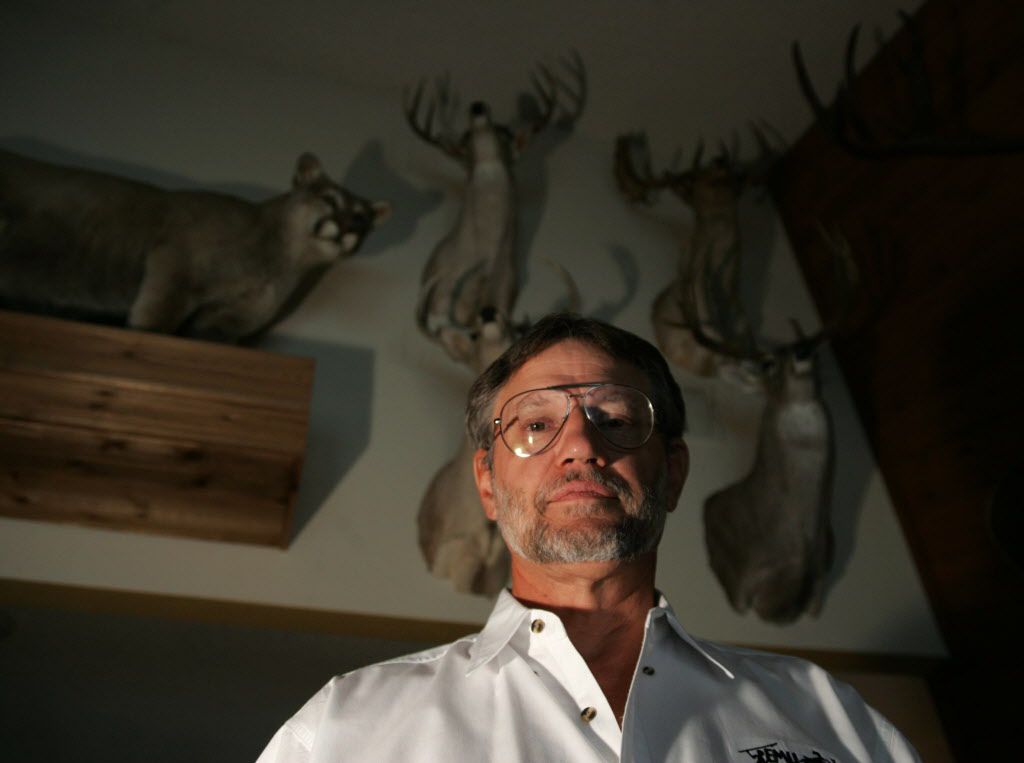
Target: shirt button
[(537, 626), (588, 714), (648, 670)]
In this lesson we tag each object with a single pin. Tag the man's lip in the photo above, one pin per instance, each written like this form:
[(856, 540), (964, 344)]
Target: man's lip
[(582, 489)]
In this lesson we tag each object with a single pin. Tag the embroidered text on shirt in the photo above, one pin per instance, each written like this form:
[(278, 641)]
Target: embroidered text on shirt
[(773, 753)]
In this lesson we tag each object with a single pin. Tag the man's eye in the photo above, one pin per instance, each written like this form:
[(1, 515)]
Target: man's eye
[(536, 426), (608, 420)]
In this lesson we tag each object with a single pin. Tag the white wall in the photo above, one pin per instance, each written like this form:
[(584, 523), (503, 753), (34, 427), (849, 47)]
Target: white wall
[(151, 100)]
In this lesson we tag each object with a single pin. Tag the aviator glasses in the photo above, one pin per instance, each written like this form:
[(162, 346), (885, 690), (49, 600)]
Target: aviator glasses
[(529, 422)]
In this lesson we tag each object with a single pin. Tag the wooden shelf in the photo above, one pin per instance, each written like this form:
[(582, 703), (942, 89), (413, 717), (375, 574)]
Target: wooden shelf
[(136, 431)]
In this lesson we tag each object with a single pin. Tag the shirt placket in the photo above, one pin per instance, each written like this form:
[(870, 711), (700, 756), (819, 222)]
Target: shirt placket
[(645, 682), (550, 647)]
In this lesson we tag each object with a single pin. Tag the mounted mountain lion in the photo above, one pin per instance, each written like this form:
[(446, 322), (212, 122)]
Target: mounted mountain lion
[(84, 244)]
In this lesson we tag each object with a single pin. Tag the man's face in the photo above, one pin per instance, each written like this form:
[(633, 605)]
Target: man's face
[(582, 499)]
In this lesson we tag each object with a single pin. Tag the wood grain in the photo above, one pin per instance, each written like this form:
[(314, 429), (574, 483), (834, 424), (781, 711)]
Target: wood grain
[(136, 431)]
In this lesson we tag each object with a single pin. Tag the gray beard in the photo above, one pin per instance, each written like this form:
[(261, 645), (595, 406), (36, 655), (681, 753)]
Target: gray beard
[(529, 535)]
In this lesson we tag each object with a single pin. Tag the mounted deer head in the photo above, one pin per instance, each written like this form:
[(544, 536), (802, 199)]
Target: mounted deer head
[(769, 535), (711, 253), (474, 267), (846, 123), (468, 290), (456, 538)]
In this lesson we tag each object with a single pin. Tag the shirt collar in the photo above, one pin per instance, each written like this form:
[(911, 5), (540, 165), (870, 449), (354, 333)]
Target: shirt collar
[(506, 618), (664, 609), (509, 615)]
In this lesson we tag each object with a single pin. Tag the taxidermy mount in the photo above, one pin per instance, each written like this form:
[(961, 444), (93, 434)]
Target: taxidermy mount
[(87, 245)]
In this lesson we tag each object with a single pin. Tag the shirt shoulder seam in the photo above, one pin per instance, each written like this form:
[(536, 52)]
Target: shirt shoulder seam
[(419, 658)]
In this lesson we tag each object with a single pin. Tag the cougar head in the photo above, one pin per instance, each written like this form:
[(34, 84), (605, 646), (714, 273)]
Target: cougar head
[(327, 219)]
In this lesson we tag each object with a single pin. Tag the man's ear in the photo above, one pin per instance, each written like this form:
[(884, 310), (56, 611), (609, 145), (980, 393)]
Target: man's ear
[(484, 483), (678, 468)]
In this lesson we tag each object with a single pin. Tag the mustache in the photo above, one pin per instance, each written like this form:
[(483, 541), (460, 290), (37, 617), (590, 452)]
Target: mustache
[(613, 482)]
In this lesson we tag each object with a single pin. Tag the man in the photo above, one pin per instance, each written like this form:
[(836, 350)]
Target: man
[(580, 457)]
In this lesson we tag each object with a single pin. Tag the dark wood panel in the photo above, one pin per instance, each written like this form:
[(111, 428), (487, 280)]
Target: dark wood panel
[(936, 361)]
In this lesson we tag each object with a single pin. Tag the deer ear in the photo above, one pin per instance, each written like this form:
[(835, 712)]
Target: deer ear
[(307, 171), (381, 211)]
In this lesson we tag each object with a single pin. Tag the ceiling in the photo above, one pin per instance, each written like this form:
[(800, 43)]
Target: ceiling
[(723, 63)]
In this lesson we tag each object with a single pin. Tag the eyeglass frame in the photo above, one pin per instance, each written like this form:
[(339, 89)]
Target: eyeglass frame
[(590, 386)]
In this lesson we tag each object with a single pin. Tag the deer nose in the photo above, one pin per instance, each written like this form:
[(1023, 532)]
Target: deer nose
[(478, 109)]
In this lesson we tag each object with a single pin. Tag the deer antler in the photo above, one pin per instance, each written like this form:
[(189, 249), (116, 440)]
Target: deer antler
[(845, 123), (846, 279), (638, 184), (442, 105), (553, 92), (732, 338)]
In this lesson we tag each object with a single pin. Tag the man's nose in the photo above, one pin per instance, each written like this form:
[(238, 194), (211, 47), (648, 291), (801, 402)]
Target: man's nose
[(579, 441)]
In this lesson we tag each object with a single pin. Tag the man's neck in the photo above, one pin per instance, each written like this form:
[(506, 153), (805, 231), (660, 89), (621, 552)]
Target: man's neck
[(603, 606)]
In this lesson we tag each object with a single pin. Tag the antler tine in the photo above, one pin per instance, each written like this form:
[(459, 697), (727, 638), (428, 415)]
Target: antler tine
[(423, 306), (547, 95), (844, 113), (572, 291), (698, 155), (807, 87), (573, 63), (424, 127), (850, 59), (764, 148), (922, 101), (411, 106), (411, 109), (757, 169), (849, 129), (723, 153), (734, 147), (461, 285), (847, 113), (637, 186), (847, 277), (738, 345), (448, 102)]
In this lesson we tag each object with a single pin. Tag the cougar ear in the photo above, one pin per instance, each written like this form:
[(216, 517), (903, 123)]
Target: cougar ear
[(307, 171)]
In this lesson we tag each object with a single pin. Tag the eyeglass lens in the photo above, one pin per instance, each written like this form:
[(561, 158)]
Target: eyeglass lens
[(532, 419)]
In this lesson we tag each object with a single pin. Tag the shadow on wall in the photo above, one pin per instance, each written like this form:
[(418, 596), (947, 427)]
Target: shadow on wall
[(370, 171), (46, 152), (339, 418), (532, 175), (854, 466), (758, 225), (629, 275)]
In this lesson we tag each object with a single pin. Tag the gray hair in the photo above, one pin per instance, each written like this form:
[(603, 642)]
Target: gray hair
[(616, 343)]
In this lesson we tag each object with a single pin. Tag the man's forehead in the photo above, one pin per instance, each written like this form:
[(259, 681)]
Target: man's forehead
[(568, 361)]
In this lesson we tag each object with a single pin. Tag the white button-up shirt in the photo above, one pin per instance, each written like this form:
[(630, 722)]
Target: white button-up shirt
[(519, 691)]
